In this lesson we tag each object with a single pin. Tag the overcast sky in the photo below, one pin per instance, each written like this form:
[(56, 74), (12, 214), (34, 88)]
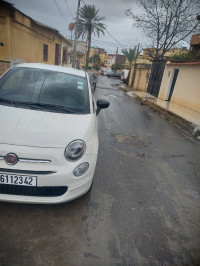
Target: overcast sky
[(59, 13)]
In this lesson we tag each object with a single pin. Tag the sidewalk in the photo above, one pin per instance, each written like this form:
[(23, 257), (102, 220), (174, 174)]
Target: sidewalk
[(184, 117)]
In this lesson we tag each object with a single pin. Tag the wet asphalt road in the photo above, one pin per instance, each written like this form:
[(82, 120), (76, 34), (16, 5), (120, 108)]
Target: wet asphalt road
[(143, 209)]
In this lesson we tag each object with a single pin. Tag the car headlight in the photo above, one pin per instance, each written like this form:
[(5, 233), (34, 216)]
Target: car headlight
[(75, 150), (81, 169)]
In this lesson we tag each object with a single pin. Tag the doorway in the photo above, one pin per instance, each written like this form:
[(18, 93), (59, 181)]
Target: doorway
[(57, 54)]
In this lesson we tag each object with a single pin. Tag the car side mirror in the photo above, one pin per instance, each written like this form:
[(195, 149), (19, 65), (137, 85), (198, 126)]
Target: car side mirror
[(101, 104)]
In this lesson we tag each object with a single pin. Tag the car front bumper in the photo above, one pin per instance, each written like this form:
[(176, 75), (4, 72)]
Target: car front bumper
[(57, 173)]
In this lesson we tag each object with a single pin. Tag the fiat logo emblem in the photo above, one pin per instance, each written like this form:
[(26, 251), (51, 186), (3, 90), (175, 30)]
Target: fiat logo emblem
[(11, 159)]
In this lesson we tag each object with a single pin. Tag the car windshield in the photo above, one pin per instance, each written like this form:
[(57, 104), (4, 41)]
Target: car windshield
[(49, 90)]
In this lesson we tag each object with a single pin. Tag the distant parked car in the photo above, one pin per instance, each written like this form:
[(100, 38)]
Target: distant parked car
[(124, 76), (104, 73), (114, 75), (93, 81)]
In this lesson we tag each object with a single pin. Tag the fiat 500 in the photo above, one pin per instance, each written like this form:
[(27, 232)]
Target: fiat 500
[(48, 133)]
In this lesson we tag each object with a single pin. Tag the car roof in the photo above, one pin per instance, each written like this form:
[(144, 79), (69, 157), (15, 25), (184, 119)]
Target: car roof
[(67, 70)]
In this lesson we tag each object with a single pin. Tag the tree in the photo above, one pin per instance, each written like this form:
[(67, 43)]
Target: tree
[(116, 67), (166, 22), (95, 60), (188, 56), (132, 56), (89, 23)]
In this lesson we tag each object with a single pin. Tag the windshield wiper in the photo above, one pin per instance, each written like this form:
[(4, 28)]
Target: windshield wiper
[(8, 101), (52, 107), (40, 106)]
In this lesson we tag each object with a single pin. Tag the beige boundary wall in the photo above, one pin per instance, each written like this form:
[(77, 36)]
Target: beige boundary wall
[(141, 78), (187, 87)]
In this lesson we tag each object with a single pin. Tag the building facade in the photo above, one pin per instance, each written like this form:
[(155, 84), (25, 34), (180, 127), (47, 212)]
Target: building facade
[(195, 44), (23, 39)]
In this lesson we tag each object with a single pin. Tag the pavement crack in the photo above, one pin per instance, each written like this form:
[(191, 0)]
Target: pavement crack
[(195, 170)]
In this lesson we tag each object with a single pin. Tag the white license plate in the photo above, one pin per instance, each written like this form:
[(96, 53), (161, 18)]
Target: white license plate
[(20, 180)]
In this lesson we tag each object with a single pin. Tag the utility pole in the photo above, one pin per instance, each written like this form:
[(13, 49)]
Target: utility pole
[(75, 39), (116, 58)]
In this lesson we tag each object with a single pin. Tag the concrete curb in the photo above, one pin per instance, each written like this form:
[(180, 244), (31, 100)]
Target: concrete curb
[(169, 116)]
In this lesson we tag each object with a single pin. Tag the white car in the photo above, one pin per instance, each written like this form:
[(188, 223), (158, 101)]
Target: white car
[(48, 134)]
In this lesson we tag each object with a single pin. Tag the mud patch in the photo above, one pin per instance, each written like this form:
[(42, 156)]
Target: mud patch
[(133, 141)]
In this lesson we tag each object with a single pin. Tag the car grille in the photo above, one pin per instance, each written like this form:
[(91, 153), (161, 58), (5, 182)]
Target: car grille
[(32, 191)]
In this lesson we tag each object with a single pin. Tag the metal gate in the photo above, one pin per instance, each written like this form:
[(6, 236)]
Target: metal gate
[(155, 79)]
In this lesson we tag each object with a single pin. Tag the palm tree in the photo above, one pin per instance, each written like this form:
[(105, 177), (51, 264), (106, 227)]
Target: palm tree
[(132, 56), (89, 23)]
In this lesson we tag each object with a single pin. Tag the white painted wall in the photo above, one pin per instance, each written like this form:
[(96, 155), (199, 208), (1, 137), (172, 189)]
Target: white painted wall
[(187, 87)]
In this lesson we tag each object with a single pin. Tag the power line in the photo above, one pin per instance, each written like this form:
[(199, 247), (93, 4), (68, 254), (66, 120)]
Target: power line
[(110, 34), (60, 11), (108, 44), (115, 39), (102, 43), (112, 44), (69, 9)]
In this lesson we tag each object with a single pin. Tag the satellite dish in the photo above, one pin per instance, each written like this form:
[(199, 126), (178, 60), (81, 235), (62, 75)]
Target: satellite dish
[(71, 26)]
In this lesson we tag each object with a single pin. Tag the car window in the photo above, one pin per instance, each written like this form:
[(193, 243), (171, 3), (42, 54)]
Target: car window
[(18, 84), (14, 80), (65, 90)]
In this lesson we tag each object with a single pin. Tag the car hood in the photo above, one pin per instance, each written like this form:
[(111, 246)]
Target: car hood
[(36, 128)]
